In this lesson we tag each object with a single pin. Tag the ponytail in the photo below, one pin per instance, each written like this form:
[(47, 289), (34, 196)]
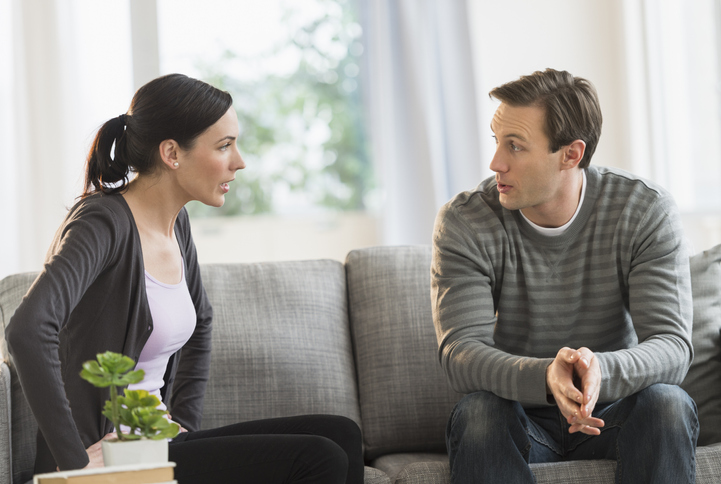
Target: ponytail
[(104, 173), (173, 107)]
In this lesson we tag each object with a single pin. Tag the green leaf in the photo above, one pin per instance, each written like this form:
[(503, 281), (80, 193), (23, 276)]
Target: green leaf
[(168, 433), (108, 411), (139, 398), (131, 378), (95, 374), (115, 363)]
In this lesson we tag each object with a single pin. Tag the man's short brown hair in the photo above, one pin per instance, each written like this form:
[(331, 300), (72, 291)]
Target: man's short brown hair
[(570, 104)]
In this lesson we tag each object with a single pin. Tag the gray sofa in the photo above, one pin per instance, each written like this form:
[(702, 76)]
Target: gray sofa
[(357, 339)]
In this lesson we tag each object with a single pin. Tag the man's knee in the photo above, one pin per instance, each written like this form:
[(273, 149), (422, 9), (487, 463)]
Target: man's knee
[(670, 406), (482, 415)]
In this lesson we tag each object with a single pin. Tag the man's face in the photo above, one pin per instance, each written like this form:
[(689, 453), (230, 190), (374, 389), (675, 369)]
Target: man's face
[(528, 174)]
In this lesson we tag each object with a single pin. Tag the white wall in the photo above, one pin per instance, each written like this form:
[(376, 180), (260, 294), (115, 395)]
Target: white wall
[(516, 37), (274, 237), (594, 39)]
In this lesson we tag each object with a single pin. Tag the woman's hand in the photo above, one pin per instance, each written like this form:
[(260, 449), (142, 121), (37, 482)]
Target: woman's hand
[(95, 452), (182, 429)]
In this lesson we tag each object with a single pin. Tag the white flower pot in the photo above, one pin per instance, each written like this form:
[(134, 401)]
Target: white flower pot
[(143, 451)]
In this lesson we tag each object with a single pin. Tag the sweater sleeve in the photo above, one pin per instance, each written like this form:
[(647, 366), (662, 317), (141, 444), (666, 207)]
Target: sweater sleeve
[(191, 378), (83, 247), (464, 317), (659, 300)]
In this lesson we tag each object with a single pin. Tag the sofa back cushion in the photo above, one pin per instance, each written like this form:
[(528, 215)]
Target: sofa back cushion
[(703, 381), (281, 342), (281, 347), (405, 397)]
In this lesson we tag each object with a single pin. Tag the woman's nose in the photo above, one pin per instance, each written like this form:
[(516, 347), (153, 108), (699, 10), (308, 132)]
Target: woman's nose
[(239, 162)]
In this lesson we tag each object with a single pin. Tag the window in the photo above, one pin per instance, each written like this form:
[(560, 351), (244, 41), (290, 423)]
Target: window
[(293, 70)]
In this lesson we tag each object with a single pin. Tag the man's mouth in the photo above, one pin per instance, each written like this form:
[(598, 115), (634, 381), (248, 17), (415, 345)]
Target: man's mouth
[(503, 188)]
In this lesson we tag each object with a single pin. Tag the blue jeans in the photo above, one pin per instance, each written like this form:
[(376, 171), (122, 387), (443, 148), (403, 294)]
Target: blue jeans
[(651, 435)]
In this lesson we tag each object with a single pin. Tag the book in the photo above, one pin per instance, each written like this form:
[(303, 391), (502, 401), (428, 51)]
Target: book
[(158, 473)]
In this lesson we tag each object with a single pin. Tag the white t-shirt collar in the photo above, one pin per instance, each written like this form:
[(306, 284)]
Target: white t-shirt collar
[(556, 231)]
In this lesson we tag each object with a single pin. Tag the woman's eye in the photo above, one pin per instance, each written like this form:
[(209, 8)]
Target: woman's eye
[(224, 147)]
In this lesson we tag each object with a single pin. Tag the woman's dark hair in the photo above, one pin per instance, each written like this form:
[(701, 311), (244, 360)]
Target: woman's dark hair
[(173, 107)]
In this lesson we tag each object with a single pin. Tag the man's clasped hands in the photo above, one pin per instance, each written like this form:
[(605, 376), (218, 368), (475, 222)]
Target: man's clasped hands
[(574, 380)]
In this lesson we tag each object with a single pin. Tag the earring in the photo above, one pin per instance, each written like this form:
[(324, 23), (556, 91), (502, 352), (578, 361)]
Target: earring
[(175, 164)]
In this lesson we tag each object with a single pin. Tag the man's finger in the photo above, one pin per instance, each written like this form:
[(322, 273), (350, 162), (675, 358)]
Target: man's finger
[(585, 429)]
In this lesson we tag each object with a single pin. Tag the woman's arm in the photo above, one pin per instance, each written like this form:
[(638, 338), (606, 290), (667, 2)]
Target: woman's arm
[(83, 247)]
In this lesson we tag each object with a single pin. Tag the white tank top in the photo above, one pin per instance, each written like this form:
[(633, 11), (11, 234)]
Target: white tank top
[(174, 319)]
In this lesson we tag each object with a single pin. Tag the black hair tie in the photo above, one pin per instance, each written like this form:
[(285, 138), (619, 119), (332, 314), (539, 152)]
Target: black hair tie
[(122, 118)]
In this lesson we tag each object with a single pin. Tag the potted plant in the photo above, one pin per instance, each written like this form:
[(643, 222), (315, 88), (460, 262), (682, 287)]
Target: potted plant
[(148, 430)]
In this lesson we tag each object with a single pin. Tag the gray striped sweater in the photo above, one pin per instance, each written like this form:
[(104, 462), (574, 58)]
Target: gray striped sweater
[(506, 298)]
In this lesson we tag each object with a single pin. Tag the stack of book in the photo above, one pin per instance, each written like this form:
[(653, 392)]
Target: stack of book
[(160, 473)]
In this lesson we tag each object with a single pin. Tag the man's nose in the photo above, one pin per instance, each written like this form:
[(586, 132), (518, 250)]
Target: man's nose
[(497, 164)]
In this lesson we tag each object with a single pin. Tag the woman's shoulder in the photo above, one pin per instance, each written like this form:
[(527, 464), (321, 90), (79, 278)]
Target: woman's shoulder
[(100, 216), (182, 224), (102, 205)]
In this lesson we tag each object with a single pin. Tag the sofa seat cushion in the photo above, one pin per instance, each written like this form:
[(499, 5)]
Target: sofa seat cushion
[(708, 464), (424, 468), (281, 342), (421, 463), (434, 469), (371, 475), (702, 382)]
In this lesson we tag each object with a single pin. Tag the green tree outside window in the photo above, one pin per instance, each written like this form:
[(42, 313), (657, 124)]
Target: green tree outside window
[(301, 134)]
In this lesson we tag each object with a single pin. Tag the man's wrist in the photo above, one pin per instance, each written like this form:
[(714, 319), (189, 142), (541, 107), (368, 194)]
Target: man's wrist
[(548, 388), (549, 394)]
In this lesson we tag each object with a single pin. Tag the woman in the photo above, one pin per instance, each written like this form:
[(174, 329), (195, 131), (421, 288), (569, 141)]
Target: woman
[(122, 275)]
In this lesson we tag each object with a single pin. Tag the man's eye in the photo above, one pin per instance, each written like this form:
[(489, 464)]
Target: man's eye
[(514, 147), (494, 138)]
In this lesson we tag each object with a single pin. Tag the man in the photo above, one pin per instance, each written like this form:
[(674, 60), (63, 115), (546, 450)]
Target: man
[(562, 302)]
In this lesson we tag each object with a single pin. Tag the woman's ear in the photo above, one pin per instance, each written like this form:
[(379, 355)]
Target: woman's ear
[(573, 154), (169, 151)]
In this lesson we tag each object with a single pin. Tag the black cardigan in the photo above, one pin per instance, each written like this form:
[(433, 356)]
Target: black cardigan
[(90, 298)]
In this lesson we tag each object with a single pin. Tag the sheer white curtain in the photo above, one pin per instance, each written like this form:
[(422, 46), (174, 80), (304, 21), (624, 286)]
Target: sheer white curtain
[(8, 216), (673, 78), (66, 69), (41, 119), (421, 110), (674, 85)]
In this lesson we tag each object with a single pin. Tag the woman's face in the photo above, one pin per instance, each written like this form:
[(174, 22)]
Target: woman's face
[(205, 171)]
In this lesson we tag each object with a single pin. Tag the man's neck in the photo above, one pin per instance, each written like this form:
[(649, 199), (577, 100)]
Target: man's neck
[(563, 208), (556, 231)]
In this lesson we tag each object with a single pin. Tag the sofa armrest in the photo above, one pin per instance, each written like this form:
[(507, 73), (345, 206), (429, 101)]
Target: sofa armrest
[(5, 425)]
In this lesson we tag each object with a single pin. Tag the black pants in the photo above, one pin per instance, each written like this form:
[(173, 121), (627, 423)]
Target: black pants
[(303, 449)]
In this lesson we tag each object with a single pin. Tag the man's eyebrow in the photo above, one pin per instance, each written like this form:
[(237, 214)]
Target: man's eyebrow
[(510, 135), (513, 135)]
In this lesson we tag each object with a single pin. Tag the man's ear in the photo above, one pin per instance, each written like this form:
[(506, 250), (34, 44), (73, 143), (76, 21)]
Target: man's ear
[(169, 151), (573, 154)]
